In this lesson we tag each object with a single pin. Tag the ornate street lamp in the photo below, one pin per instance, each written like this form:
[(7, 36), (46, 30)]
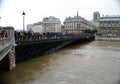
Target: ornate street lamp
[(23, 14)]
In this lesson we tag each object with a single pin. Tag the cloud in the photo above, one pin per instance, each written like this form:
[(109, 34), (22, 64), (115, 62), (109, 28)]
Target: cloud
[(37, 9)]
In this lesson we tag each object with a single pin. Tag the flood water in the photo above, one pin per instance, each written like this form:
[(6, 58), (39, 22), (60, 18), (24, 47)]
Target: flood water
[(97, 62)]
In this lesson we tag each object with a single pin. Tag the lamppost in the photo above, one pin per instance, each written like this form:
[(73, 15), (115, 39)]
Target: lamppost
[(23, 14)]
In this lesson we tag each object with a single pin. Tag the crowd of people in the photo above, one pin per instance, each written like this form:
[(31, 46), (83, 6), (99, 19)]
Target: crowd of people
[(29, 35), (3, 34)]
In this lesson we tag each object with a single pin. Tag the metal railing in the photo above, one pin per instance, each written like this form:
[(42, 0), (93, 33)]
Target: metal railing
[(42, 37)]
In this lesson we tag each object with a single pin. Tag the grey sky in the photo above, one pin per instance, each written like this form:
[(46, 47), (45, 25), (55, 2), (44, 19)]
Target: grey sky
[(11, 10)]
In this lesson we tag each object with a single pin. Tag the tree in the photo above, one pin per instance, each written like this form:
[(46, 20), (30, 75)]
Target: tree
[(90, 31)]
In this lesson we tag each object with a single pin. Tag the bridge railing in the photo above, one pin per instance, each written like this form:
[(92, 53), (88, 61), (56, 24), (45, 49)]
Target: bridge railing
[(43, 37)]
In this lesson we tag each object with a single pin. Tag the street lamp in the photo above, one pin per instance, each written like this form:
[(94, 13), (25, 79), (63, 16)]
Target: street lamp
[(23, 14)]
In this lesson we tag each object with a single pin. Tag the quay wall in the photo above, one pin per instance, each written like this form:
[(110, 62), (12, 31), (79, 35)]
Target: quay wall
[(117, 39)]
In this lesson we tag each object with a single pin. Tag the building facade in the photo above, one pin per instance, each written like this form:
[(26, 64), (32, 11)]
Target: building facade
[(109, 26), (36, 27), (51, 24), (96, 18), (76, 25)]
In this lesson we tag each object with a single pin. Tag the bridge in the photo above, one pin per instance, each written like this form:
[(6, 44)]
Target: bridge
[(31, 46), (7, 48), (19, 46)]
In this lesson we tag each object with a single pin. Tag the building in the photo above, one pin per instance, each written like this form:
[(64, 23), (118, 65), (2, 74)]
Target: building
[(36, 27), (51, 24), (96, 18), (76, 24), (109, 26)]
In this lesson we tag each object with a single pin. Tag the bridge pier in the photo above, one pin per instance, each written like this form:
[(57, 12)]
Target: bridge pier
[(12, 58), (8, 62)]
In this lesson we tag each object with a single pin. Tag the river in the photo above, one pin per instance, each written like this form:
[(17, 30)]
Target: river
[(96, 62)]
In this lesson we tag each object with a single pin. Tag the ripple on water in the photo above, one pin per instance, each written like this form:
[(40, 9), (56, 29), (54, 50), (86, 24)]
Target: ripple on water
[(97, 62)]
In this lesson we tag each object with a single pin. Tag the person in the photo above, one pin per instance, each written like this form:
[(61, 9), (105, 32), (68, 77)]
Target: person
[(21, 35), (0, 34), (5, 34)]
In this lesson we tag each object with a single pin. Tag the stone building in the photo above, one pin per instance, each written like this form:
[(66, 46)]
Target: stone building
[(109, 26), (51, 24), (76, 24), (36, 27), (96, 18)]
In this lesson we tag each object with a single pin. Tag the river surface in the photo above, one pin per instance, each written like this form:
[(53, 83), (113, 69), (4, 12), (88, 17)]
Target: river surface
[(97, 62)]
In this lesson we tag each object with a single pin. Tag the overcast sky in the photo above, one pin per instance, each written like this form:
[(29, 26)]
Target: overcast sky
[(11, 10)]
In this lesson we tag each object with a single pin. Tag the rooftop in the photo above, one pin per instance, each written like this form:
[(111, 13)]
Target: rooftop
[(76, 18), (110, 18), (51, 19)]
